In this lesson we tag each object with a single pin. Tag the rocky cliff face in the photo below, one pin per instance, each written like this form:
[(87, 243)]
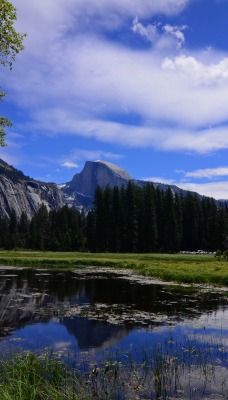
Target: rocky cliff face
[(79, 192), (20, 193), (98, 173)]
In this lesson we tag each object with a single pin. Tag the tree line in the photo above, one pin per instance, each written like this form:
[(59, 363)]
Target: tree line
[(128, 219)]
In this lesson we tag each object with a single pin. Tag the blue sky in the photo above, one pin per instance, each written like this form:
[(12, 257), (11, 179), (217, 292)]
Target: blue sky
[(139, 83)]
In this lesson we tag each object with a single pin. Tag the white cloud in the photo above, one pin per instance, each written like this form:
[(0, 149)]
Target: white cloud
[(88, 13), (69, 164), (208, 173), (218, 190), (79, 154), (201, 74), (157, 179), (68, 80), (149, 32), (160, 35), (60, 122), (89, 78), (176, 32)]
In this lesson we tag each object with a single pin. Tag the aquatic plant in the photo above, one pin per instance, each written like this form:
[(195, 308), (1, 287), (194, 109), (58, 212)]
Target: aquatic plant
[(188, 370), (28, 376)]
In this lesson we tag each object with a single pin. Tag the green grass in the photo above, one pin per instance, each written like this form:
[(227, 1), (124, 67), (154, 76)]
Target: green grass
[(167, 267), (29, 377)]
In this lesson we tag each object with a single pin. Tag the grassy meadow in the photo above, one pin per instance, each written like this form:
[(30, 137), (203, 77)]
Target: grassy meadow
[(181, 268)]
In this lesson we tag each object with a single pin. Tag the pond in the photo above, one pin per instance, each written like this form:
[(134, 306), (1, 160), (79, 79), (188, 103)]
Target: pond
[(94, 313)]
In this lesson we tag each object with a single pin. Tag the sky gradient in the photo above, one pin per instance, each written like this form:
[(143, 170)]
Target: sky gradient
[(139, 83)]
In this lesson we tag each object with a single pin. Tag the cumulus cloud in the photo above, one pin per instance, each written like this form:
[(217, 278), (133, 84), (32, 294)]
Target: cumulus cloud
[(69, 164), (189, 66)]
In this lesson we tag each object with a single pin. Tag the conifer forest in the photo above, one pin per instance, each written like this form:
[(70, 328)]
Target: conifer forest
[(130, 219)]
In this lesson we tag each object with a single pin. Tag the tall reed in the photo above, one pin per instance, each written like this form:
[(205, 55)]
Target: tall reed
[(189, 369)]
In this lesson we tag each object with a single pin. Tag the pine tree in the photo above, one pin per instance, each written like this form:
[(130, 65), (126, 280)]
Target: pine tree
[(42, 227), (150, 220), (99, 218), (159, 196), (131, 219), (91, 231), (170, 233), (116, 221), (23, 231)]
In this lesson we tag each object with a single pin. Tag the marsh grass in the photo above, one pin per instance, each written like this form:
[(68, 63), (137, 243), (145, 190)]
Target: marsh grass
[(30, 377), (180, 268), (188, 369)]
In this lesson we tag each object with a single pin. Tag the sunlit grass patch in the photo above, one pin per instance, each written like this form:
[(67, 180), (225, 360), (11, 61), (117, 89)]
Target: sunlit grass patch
[(167, 267)]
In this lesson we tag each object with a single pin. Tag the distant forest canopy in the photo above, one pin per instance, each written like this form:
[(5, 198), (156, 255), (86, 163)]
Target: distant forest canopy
[(129, 219)]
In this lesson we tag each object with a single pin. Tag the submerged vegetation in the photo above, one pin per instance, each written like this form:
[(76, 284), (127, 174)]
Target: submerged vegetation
[(182, 268), (189, 369)]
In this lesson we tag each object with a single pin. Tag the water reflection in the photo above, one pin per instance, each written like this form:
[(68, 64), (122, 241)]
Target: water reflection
[(95, 310)]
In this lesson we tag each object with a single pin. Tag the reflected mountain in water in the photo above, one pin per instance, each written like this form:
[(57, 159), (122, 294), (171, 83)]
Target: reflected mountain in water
[(95, 334), (97, 309)]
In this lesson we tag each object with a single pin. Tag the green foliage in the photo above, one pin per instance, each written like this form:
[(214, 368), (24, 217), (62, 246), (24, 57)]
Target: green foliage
[(4, 122), (221, 255), (10, 40), (30, 377), (135, 219), (10, 46), (128, 220), (218, 255)]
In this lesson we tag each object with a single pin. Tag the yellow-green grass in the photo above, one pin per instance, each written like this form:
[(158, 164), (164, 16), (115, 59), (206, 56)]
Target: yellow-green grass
[(167, 267)]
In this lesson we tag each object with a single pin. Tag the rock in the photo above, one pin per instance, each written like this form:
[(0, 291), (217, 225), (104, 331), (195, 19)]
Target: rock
[(23, 194), (79, 191)]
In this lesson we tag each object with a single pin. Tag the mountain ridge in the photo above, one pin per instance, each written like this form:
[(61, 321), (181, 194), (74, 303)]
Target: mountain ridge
[(20, 193)]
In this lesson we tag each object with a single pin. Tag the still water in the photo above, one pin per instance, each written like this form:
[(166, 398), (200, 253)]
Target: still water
[(85, 310)]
